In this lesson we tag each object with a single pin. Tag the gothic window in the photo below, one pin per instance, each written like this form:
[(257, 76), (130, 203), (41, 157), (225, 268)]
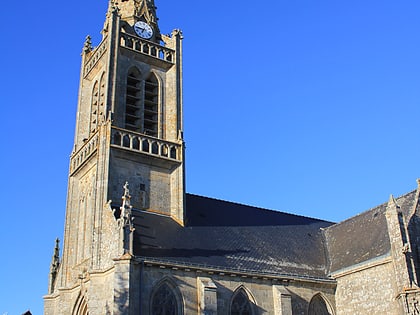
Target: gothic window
[(133, 101), (151, 94), (164, 301), (241, 304), (81, 307), (97, 111), (101, 109), (142, 101), (94, 108), (318, 306)]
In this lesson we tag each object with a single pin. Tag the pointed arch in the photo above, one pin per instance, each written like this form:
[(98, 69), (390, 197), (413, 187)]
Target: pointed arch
[(242, 302), (143, 104), (133, 100), (166, 299), (319, 305), (102, 107), (81, 306), (151, 105), (94, 107), (97, 110)]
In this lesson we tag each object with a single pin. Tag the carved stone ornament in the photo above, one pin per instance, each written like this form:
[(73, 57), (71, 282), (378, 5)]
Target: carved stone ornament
[(146, 9), (125, 222), (87, 47)]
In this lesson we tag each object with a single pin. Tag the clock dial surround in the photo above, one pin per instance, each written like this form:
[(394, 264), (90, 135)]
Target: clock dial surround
[(143, 30)]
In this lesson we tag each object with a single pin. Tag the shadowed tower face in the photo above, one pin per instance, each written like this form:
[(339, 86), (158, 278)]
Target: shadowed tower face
[(128, 129)]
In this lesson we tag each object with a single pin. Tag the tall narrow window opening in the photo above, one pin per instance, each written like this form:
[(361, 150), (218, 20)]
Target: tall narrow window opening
[(318, 306), (133, 101), (94, 108), (97, 111), (240, 304), (81, 307), (164, 301), (151, 101), (101, 109)]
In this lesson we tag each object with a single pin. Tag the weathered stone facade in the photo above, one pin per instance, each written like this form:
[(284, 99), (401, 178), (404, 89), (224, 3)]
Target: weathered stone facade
[(136, 243), (358, 289)]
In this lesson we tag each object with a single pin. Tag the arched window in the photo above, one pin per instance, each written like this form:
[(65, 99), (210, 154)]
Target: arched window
[(164, 301), (94, 108), (151, 101), (81, 307), (133, 105), (101, 109), (241, 305), (318, 306), (97, 111), (142, 103)]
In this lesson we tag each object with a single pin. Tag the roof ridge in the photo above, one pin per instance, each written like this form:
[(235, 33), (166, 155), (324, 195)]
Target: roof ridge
[(371, 209)]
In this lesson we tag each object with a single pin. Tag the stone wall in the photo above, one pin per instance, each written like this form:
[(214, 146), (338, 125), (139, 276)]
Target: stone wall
[(95, 289), (268, 296), (368, 290), (150, 186)]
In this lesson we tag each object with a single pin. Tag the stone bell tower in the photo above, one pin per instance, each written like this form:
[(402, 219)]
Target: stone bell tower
[(128, 129)]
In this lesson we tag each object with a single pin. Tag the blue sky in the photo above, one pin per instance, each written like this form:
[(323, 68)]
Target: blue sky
[(309, 107)]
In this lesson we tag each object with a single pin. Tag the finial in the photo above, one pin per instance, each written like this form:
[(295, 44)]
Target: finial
[(57, 249), (55, 264), (55, 261), (126, 222), (393, 202), (88, 44), (112, 7), (126, 197)]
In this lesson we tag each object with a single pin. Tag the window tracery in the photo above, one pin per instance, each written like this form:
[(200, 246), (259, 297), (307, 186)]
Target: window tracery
[(241, 305), (164, 301), (318, 306)]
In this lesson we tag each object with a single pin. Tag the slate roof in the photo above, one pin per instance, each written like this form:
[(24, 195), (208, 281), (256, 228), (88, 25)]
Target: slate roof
[(233, 237), (359, 239), (363, 237)]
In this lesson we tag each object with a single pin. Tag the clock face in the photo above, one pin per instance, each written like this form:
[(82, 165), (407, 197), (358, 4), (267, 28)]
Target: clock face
[(143, 29)]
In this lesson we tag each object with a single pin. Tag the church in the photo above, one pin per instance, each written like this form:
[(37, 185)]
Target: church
[(136, 243)]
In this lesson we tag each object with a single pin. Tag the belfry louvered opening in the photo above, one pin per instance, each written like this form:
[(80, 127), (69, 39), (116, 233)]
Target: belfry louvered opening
[(151, 95), (142, 104), (133, 102)]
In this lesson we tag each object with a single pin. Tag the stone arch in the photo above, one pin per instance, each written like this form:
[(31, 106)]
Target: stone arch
[(152, 111), (81, 306), (166, 298), (133, 100), (319, 305), (160, 101), (242, 302), (94, 107), (134, 71), (102, 96)]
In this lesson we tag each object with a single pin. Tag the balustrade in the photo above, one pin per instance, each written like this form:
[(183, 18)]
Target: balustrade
[(145, 144), (85, 152), (146, 47)]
